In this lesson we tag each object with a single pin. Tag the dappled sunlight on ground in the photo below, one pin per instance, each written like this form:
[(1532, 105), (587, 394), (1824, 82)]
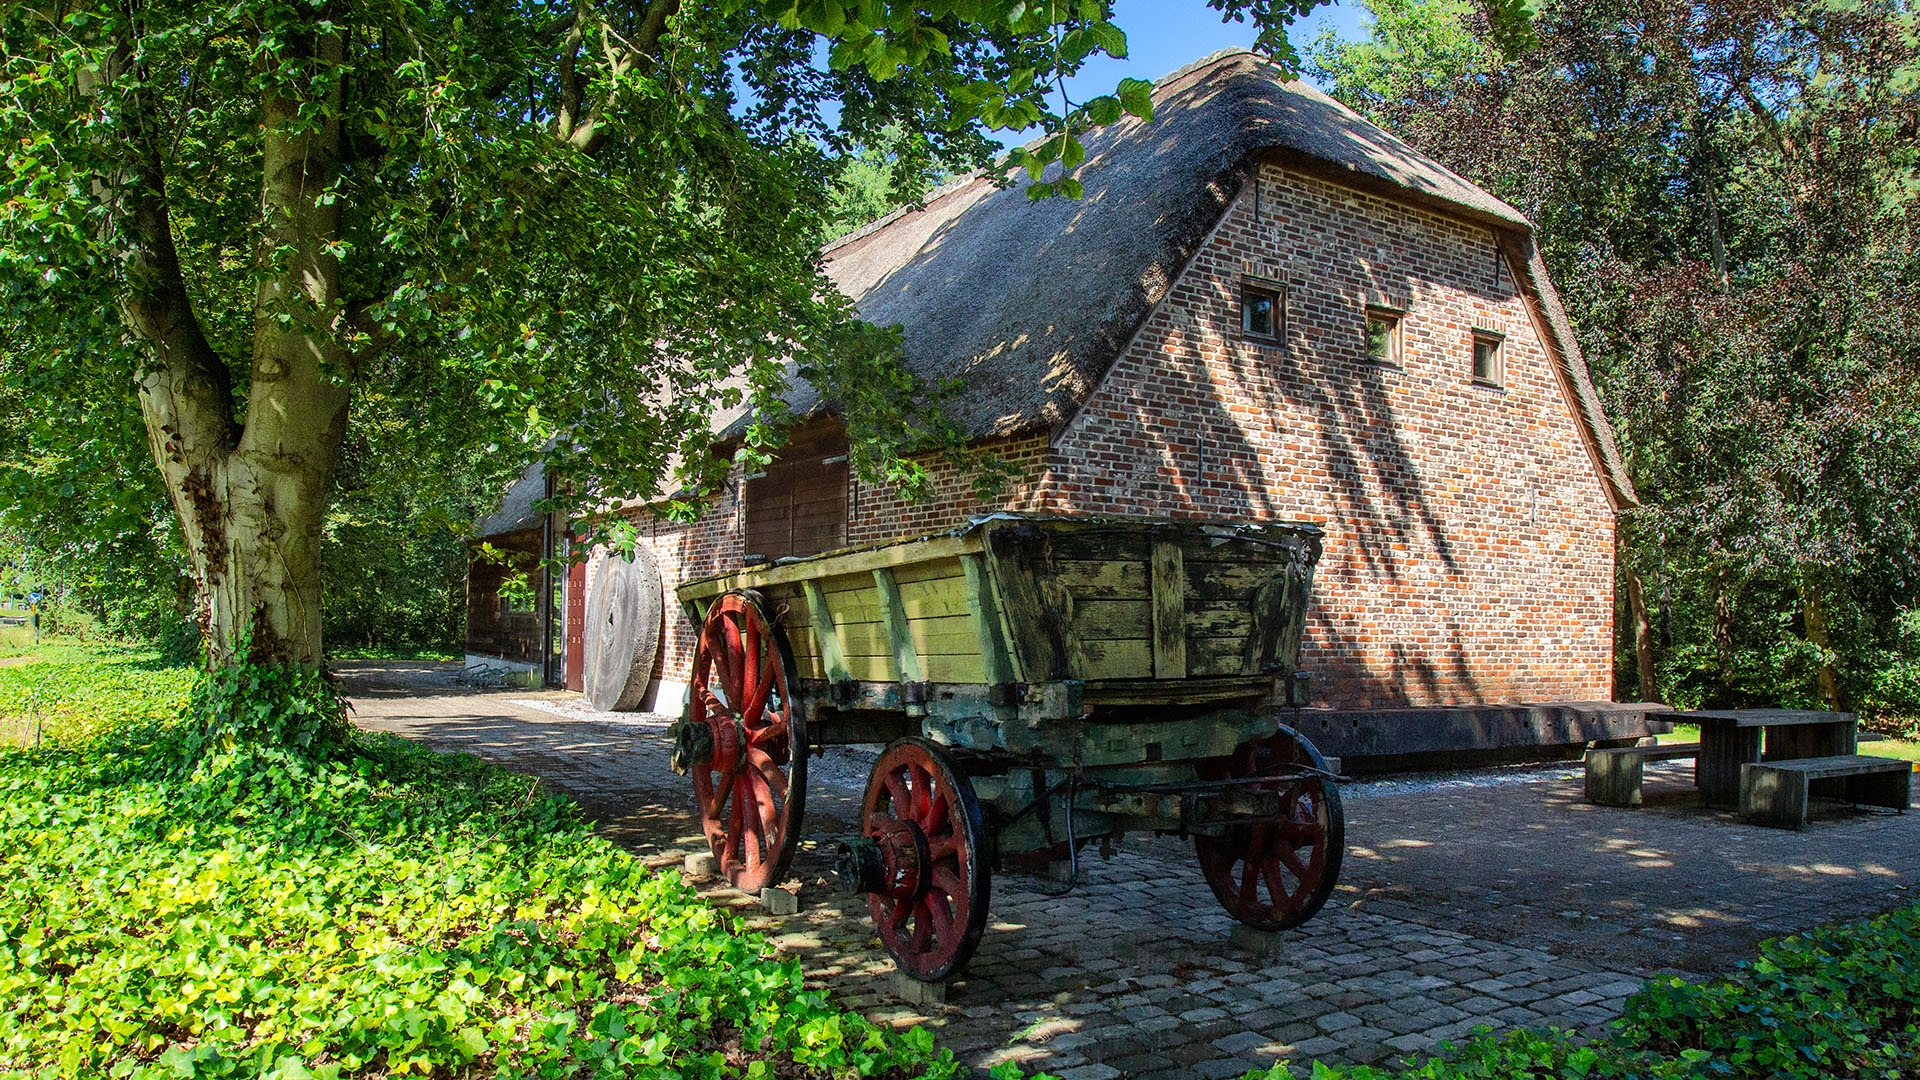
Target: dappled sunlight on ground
[(1510, 903)]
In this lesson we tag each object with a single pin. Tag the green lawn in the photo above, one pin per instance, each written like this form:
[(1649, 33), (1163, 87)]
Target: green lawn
[(1877, 745), (437, 653)]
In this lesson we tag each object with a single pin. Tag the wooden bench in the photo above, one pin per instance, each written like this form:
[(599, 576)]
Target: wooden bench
[(1775, 792), (1613, 776)]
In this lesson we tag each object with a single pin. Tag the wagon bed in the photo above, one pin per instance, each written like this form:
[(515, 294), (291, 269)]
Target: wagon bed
[(1038, 682)]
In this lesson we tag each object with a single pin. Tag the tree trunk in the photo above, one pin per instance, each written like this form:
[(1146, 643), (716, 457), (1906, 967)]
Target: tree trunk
[(252, 497), (1642, 636), (1814, 615)]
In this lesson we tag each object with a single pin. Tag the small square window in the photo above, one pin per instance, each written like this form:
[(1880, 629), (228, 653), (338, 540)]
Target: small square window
[(1263, 312), (1489, 366), (1383, 336)]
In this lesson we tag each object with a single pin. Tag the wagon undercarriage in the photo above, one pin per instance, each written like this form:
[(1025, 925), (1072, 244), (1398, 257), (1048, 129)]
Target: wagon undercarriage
[(1037, 685)]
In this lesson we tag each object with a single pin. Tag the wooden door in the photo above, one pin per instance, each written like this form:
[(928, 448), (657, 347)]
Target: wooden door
[(576, 626)]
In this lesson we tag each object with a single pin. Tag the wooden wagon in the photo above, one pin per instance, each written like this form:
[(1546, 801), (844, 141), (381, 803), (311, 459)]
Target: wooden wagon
[(1037, 683)]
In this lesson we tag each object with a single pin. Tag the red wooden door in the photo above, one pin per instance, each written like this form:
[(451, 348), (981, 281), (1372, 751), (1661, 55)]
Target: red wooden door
[(576, 626)]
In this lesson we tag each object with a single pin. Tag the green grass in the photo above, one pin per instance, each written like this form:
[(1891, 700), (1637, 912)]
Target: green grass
[(15, 640), (390, 912), (1879, 746), (435, 653), (68, 693)]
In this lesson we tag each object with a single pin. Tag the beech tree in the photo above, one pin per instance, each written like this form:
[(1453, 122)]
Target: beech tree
[(231, 231)]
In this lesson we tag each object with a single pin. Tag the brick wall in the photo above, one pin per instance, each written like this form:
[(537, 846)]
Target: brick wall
[(1469, 551)]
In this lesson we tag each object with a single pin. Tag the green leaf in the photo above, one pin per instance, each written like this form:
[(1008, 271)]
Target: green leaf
[(1136, 96)]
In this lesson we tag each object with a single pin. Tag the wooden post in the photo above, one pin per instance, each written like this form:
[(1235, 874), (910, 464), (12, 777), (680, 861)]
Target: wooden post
[(1168, 578), (833, 655), (985, 615), (906, 658), (1724, 747)]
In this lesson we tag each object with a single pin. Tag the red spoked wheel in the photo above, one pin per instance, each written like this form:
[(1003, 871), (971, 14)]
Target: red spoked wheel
[(923, 859), (1275, 875), (744, 742)]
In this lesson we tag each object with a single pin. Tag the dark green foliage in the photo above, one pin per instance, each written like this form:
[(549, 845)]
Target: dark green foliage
[(386, 912), (283, 708)]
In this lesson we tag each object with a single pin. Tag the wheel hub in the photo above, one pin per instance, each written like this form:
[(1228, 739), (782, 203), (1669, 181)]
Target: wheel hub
[(692, 748), (894, 861)]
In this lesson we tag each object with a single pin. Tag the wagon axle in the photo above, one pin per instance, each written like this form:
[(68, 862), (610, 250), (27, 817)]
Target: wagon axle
[(692, 748), (896, 861)]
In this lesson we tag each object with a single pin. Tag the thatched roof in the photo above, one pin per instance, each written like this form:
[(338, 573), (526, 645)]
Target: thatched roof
[(1026, 304), (517, 511)]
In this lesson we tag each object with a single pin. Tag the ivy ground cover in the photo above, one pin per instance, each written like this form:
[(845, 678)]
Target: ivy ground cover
[(255, 912)]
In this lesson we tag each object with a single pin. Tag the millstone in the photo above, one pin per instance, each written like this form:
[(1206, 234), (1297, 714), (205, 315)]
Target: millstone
[(623, 630)]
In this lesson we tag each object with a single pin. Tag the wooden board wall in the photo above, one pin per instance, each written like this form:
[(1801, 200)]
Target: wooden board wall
[(933, 595), (798, 504)]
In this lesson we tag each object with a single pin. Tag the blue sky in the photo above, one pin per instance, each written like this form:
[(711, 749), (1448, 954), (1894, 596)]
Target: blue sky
[(1163, 35)]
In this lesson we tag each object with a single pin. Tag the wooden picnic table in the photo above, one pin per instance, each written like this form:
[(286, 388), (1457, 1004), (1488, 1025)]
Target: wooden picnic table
[(1730, 738)]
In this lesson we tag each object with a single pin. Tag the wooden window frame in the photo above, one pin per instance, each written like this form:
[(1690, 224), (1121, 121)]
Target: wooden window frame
[(1396, 335), (1497, 351), (1273, 291)]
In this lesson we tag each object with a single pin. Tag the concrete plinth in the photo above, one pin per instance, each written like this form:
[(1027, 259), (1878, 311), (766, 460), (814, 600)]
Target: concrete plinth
[(915, 992), (780, 901), (702, 866), (1257, 942)]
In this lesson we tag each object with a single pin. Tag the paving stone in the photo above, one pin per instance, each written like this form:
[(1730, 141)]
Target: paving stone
[(1092, 1071), (1414, 949), (1411, 1044), (1338, 1021), (1241, 1042)]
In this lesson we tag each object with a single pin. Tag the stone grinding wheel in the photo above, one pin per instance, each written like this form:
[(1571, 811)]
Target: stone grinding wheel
[(624, 605)]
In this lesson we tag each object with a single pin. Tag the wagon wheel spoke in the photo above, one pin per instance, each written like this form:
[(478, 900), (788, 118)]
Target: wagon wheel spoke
[(1277, 886), (768, 770), (939, 817), (768, 810), (922, 926), (922, 812), (939, 906), (1249, 892), (735, 825), (751, 793), (762, 725), (945, 847), (1295, 854), (897, 801)]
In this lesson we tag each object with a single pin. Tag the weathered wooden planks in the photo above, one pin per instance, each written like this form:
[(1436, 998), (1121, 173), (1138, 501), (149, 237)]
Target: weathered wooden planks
[(984, 613), (1044, 600), (1168, 574)]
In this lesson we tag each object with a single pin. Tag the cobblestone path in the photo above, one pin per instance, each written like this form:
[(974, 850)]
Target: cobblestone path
[(1505, 904)]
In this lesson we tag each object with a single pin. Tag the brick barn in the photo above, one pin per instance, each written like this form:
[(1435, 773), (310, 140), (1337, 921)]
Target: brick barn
[(1263, 308)]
